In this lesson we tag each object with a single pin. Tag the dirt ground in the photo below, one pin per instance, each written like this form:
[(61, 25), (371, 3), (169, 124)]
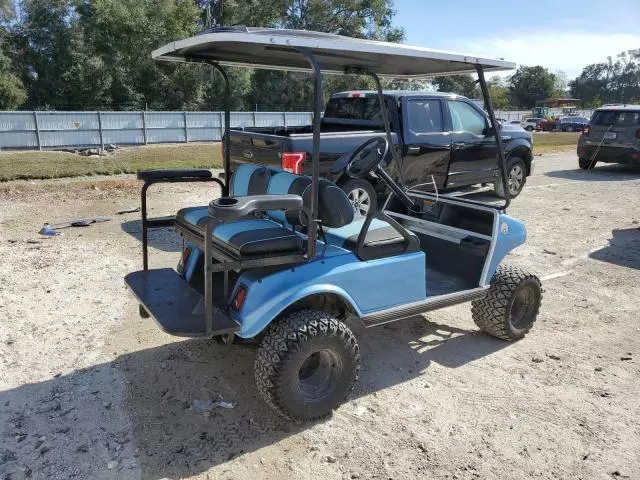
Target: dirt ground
[(88, 390)]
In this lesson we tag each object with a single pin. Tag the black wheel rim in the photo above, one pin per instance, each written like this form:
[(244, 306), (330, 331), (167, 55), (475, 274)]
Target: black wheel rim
[(523, 308), (319, 374)]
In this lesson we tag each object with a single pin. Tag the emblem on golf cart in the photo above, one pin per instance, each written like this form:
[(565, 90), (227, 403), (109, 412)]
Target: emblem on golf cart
[(248, 154), (504, 228)]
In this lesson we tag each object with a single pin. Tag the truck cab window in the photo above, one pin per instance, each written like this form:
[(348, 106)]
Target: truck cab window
[(465, 118), (424, 116)]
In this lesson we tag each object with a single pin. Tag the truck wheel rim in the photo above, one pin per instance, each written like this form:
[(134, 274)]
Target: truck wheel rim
[(516, 175), (360, 200), (318, 375)]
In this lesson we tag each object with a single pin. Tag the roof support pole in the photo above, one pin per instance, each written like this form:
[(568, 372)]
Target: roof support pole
[(496, 130), (385, 119), (227, 126), (312, 229), (397, 163)]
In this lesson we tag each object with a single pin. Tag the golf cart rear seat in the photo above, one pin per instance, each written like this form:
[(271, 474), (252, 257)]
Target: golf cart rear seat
[(273, 232)]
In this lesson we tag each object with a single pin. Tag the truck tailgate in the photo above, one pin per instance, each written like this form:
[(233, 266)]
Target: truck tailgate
[(258, 148)]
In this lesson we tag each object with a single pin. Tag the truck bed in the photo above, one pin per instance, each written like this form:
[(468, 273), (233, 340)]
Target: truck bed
[(265, 145)]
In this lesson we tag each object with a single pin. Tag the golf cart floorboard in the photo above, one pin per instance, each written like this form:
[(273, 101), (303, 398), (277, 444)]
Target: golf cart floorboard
[(176, 306)]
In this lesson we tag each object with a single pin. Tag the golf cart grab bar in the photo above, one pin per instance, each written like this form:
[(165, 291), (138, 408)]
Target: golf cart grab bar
[(229, 208), (149, 177)]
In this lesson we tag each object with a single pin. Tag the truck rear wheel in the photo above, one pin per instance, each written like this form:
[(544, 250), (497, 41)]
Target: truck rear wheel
[(362, 196), (511, 306), (307, 365)]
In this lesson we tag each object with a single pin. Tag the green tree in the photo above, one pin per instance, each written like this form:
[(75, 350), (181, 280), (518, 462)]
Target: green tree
[(532, 84), (500, 93), (460, 84), (354, 18), (12, 91), (609, 82)]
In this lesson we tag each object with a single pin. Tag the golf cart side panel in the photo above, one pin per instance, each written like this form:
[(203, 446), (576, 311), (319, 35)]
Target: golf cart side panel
[(511, 233), (339, 271)]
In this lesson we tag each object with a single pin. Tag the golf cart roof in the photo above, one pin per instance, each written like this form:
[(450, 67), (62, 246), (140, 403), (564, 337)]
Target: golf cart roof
[(280, 49)]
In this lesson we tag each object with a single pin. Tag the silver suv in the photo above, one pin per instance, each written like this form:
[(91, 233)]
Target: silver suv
[(612, 136), (531, 124)]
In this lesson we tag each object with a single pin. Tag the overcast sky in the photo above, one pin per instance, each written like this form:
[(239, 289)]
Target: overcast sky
[(560, 35)]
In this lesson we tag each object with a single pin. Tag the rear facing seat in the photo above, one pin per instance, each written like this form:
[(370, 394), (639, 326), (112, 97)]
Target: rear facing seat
[(273, 232), (248, 179)]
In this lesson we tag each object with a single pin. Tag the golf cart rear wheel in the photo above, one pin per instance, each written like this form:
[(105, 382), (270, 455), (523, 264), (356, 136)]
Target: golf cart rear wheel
[(511, 306), (307, 365), (586, 163), (516, 177)]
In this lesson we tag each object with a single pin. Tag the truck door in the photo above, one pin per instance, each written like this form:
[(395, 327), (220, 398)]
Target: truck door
[(426, 145), (474, 155)]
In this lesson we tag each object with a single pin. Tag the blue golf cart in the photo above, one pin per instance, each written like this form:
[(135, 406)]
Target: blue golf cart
[(280, 259)]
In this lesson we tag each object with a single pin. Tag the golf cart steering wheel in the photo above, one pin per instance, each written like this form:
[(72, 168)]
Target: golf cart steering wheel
[(367, 157)]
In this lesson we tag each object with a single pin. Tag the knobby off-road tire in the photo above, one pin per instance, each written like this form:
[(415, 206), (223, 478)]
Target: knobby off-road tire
[(511, 305), (307, 365)]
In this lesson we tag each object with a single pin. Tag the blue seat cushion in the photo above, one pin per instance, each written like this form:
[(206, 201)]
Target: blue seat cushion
[(257, 237), (249, 179)]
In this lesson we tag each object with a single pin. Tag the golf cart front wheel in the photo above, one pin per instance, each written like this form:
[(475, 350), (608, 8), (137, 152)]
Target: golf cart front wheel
[(307, 365), (511, 306)]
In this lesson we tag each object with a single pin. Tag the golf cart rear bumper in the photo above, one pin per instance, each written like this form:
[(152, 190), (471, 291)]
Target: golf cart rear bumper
[(176, 306)]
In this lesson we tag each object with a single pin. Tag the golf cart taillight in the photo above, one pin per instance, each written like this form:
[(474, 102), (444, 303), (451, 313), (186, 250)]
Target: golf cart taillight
[(241, 296), (292, 162), (585, 131), (355, 95)]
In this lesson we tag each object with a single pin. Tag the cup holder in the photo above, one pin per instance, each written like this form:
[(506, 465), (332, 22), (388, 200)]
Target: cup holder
[(225, 202)]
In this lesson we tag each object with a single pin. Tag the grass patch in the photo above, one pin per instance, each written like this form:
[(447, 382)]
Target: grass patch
[(544, 142), (28, 165), (48, 164)]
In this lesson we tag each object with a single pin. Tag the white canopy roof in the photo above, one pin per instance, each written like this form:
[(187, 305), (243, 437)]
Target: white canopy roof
[(279, 49)]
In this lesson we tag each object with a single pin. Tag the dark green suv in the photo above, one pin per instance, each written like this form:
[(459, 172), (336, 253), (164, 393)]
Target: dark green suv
[(612, 136)]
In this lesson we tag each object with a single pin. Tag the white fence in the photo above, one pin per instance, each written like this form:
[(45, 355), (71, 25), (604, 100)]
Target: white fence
[(40, 130)]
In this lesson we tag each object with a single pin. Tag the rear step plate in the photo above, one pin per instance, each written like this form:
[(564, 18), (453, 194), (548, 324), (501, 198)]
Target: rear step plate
[(175, 305)]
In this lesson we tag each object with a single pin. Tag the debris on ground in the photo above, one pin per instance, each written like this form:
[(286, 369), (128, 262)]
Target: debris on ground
[(359, 410), (49, 229), (553, 356), (205, 406), (129, 210), (537, 359)]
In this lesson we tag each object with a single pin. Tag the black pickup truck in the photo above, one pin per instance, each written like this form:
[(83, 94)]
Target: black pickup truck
[(441, 137)]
